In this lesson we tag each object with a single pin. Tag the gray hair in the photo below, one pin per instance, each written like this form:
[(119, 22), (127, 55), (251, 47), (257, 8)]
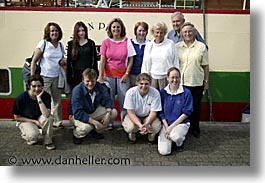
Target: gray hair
[(189, 24), (177, 13)]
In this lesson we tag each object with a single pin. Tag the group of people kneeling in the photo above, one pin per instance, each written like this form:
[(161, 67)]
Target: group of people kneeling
[(148, 111)]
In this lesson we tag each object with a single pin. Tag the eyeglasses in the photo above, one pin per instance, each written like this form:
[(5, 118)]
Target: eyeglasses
[(34, 86)]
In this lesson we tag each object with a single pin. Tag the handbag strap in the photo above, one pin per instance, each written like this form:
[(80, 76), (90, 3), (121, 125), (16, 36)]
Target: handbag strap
[(62, 50), (42, 51)]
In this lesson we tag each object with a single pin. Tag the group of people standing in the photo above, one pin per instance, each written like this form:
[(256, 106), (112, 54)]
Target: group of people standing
[(159, 83)]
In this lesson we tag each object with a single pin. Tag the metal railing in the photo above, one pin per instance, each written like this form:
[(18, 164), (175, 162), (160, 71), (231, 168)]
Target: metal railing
[(149, 3), (176, 4)]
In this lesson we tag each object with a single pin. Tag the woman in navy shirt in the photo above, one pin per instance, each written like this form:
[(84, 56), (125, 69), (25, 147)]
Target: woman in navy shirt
[(176, 108), (139, 42)]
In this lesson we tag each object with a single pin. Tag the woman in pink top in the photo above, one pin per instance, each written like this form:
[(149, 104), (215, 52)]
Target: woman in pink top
[(116, 62)]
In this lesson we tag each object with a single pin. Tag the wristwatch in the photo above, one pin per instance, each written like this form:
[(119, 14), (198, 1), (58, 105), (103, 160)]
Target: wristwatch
[(205, 81), (40, 102)]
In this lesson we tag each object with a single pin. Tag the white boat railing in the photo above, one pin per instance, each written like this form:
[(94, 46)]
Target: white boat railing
[(181, 4)]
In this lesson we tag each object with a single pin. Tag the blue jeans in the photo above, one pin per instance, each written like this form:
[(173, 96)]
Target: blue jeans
[(119, 89)]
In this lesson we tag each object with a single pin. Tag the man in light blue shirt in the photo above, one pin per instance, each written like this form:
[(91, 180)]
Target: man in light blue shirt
[(177, 19)]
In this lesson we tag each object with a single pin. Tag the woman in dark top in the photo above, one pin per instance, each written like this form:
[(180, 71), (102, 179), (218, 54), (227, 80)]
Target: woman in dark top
[(81, 54), (32, 111)]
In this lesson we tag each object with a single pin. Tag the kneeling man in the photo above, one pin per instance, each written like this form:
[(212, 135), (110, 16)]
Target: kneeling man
[(92, 107)]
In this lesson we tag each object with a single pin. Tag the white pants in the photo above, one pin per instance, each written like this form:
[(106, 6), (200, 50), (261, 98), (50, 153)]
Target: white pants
[(177, 135), (82, 129), (30, 132)]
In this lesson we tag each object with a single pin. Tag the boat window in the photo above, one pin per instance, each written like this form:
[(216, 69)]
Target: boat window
[(5, 81)]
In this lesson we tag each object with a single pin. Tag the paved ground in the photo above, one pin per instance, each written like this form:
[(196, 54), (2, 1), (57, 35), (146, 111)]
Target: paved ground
[(220, 144)]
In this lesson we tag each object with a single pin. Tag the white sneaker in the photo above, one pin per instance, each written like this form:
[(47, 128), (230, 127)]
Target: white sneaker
[(31, 142), (57, 124), (50, 146)]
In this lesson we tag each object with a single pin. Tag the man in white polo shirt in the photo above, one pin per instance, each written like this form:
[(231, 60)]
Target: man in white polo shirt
[(142, 103)]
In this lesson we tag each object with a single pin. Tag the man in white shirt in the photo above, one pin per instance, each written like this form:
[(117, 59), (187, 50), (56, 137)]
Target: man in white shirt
[(142, 103)]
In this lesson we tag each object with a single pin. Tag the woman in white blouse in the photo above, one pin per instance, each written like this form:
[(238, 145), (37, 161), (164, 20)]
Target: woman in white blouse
[(51, 52), (159, 55)]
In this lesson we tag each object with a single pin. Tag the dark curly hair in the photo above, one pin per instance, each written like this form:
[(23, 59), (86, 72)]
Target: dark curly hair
[(47, 31), (35, 77)]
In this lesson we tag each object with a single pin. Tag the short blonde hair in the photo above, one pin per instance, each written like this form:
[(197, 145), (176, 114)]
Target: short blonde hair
[(90, 73), (143, 76), (160, 26)]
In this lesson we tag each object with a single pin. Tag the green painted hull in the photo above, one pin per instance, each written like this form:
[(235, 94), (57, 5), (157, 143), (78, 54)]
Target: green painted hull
[(224, 86)]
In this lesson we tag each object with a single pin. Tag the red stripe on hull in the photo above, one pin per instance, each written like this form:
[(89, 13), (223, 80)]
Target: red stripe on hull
[(6, 105), (126, 10), (222, 112)]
